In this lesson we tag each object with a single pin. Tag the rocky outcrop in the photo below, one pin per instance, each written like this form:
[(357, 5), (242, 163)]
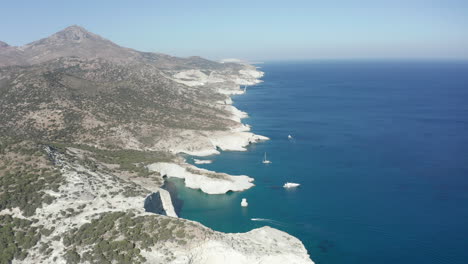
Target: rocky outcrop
[(207, 181), (263, 245), (167, 203)]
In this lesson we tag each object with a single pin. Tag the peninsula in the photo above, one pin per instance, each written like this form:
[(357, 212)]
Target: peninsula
[(88, 130)]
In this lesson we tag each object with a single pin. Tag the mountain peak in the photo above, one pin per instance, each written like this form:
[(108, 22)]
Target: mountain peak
[(75, 33), (68, 37), (75, 28), (77, 42)]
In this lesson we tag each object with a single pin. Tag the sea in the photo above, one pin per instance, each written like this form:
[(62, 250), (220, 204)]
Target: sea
[(380, 149)]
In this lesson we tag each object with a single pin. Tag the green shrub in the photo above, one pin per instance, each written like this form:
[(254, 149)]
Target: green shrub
[(17, 236)]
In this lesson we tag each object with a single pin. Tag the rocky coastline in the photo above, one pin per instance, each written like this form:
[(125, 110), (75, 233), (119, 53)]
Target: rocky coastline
[(89, 129)]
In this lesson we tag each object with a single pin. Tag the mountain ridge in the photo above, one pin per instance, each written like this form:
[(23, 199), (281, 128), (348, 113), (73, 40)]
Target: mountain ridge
[(76, 41)]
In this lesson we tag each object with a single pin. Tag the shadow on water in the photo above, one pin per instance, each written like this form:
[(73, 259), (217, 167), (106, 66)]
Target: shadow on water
[(153, 204), (172, 189)]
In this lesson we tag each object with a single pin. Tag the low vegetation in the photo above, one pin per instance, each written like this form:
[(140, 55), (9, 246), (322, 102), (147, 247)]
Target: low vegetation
[(16, 237), (127, 159), (25, 175), (119, 237)]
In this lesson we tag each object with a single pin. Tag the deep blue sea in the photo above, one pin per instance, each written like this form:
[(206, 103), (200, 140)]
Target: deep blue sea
[(380, 149)]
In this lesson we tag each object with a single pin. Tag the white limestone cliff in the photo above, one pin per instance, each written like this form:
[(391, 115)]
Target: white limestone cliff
[(207, 181), (167, 203), (264, 245)]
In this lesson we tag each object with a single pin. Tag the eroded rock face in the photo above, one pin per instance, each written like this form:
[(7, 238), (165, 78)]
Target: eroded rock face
[(261, 245), (160, 203), (207, 181)]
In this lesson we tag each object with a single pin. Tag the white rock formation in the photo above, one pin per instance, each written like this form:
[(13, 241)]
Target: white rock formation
[(248, 76), (167, 203), (199, 161), (206, 143), (207, 181), (263, 245)]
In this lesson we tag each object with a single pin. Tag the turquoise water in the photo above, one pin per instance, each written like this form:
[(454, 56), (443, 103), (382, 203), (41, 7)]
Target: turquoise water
[(381, 151)]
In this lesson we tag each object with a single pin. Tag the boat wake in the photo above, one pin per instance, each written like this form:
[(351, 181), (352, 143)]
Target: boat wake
[(291, 139), (268, 221)]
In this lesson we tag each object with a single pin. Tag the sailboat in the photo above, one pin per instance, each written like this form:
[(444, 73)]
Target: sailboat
[(265, 160), (245, 88)]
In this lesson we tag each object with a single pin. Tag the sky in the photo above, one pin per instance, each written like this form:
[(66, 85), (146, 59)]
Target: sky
[(255, 30)]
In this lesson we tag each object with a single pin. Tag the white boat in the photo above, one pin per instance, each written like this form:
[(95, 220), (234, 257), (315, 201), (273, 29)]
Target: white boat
[(245, 88), (198, 161), (289, 137), (291, 185), (265, 161), (244, 202)]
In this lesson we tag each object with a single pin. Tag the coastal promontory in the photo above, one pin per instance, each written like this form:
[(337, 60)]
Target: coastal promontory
[(90, 129)]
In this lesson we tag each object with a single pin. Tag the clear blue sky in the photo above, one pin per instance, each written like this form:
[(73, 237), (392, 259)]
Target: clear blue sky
[(255, 30)]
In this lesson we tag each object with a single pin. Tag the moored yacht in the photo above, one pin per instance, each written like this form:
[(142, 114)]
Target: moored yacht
[(291, 185), (244, 202)]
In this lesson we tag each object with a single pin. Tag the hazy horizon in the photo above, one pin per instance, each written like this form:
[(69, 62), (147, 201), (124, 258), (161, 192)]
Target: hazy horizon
[(260, 31)]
